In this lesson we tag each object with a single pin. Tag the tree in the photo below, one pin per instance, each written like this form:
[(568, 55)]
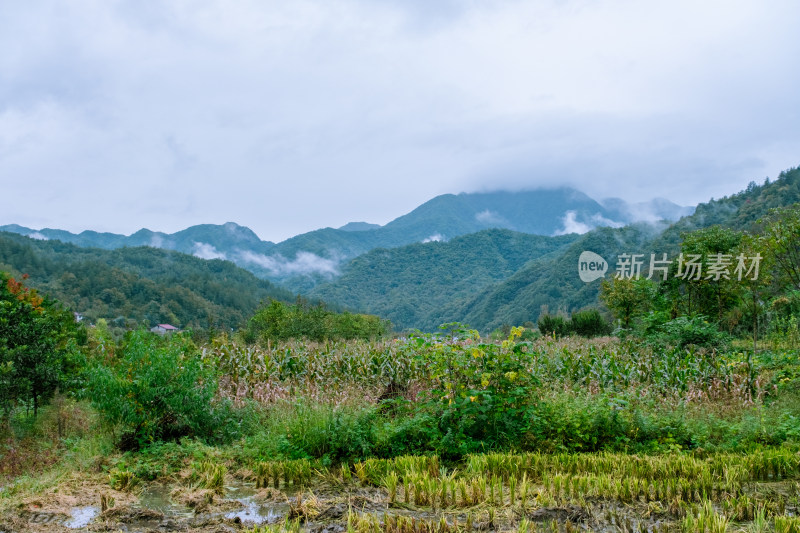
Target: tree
[(37, 341), (280, 321), (708, 259), (755, 286), (626, 298), (781, 240)]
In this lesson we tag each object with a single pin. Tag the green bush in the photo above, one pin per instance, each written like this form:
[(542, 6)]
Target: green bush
[(695, 331), (335, 435), (580, 424), (589, 323), (553, 325), (157, 389), (308, 430), (481, 395), (409, 432), (280, 321)]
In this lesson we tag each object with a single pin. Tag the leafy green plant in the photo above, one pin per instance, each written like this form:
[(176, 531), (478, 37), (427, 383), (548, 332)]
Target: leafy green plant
[(481, 393), (121, 479), (553, 325), (332, 434), (156, 389), (695, 331), (589, 323)]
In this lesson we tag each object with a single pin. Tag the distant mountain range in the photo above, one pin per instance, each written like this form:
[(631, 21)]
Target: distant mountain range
[(303, 261), (495, 278), (485, 259), (136, 286)]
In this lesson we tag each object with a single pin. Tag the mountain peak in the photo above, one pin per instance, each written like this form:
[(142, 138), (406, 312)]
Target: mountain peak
[(359, 226)]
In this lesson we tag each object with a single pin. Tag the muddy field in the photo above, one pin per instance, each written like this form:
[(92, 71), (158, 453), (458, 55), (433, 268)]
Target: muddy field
[(371, 497)]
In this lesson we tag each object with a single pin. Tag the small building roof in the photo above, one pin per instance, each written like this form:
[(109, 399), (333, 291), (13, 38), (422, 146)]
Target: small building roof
[(167, 326)]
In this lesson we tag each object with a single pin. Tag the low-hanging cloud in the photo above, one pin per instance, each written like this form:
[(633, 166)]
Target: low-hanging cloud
[(304, 263), (572, 225), (600, 220), (436, 237), (207, 251), (489, 217), (157, 241)]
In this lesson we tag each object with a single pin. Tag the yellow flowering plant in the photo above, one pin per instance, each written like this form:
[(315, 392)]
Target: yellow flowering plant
[(482, 393)]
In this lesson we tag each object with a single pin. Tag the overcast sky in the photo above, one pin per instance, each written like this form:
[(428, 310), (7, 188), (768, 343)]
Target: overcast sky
[(287, 116)]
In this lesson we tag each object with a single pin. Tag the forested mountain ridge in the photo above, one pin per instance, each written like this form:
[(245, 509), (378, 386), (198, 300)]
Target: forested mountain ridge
[(553, 283), (416, 286), (485, 279), (139, 286), (303, 261), (421, 285)]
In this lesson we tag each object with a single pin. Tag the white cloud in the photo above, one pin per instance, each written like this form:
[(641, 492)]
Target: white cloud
[(195, 112), (599, 220), (488, 217), (571, 225), (157, 241), (303, 263), (436, 237), (38, 236), (207, 251)]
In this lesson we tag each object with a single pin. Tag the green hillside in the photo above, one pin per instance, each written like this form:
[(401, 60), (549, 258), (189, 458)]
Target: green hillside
[(142, 285), (551, 283), (303, 261), (554, 282), (419, 285)]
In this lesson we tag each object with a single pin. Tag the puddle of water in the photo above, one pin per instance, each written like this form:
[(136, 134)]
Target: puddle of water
[(255, 513), (81, 516), (157, 498), (240, 490)]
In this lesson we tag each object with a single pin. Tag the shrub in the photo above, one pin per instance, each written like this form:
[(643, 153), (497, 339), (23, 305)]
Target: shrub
[(332, 434), (481, 395), (156, 389), (697, 331), (579, 424), (589, 323), (280, 321), (308, 430), (553, 325)]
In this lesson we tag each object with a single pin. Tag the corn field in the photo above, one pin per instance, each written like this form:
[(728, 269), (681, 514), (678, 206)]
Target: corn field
[(324, 371)]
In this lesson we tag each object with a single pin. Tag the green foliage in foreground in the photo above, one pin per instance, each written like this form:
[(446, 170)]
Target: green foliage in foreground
[(157, 389), (38, 346), (565, 395), (451, 394), (279, 321)]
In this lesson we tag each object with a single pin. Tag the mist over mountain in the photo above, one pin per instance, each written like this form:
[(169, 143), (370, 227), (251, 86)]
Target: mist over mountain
[(139, 286), (485, 259), (423, 285), (303, 261)]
